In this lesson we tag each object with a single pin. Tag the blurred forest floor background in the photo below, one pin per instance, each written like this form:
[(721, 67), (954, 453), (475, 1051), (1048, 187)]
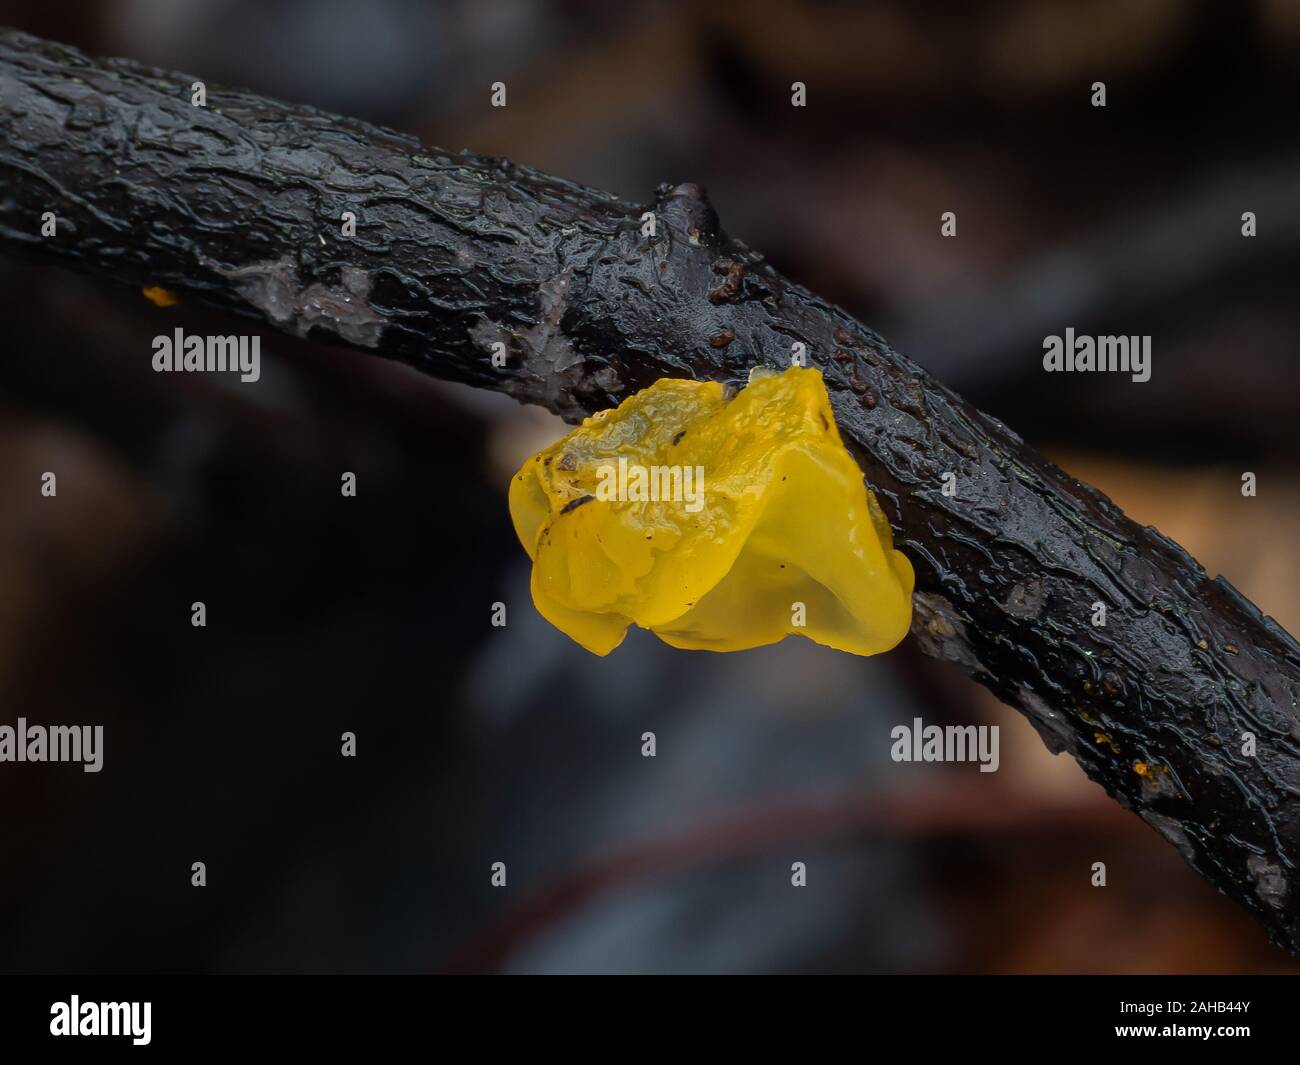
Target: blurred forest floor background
[(478, 744)]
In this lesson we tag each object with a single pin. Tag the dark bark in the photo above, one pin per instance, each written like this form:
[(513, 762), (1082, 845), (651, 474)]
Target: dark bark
[(239, 204)]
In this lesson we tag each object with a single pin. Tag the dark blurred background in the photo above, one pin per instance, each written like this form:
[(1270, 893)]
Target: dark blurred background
[(479, 744)]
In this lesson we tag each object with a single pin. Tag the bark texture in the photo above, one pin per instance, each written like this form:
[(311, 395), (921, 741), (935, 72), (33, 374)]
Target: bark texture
[(239, 204)]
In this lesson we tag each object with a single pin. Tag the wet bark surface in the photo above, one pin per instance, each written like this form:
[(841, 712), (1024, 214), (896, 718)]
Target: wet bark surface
[(240, 204)]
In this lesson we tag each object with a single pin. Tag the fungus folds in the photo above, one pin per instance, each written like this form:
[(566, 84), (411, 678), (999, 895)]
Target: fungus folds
[(718, 523)]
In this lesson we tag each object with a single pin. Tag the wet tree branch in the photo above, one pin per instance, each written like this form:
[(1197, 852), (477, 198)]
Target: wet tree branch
[(239, 204)]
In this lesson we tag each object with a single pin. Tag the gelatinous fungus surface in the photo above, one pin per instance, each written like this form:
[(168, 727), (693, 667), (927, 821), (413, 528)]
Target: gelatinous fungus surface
[(718, 523)]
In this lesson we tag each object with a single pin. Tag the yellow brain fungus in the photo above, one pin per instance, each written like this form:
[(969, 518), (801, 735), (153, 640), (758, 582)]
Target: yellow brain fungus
[(718, 524), (160, 297)]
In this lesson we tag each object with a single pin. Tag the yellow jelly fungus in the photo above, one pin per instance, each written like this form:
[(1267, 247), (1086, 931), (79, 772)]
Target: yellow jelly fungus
[(719, 524), (160, 297)]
